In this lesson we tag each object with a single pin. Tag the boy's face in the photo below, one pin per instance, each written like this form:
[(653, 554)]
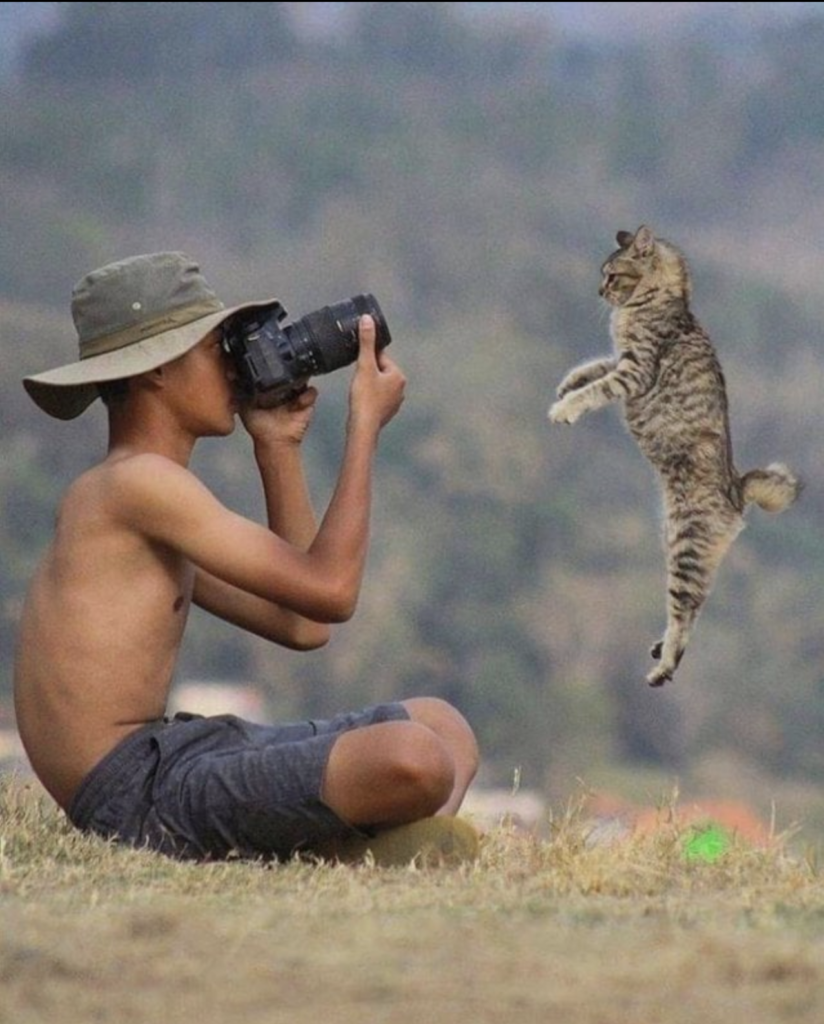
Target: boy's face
[(202, 387)]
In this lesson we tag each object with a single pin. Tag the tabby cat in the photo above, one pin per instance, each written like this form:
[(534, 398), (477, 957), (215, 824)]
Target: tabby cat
[(675, 404)]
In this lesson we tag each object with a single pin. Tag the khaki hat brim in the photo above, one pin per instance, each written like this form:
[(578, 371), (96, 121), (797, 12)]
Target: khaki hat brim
[(67, 391)]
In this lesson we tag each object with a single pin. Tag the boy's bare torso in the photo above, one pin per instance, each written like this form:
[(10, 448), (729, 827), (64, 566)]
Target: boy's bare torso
[(99, 636)]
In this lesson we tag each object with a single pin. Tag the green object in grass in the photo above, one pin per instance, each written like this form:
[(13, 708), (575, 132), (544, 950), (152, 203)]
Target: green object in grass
[(707, 844)]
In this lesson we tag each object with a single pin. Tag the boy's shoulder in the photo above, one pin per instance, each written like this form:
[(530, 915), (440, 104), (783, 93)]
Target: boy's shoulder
[(118, 468), (132, 478), (137, 494)]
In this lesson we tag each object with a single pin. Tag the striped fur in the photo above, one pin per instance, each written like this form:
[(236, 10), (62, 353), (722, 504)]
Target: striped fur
[(666, 372)]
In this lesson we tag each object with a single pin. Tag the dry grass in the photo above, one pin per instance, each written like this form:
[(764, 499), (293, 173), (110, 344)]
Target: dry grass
[(540, 929)]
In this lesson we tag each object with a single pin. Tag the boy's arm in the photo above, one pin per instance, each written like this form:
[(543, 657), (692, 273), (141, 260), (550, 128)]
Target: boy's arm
[(240, 561), (277, 435)]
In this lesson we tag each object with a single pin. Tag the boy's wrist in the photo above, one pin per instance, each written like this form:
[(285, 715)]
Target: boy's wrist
[(269, 449), (363, 426)]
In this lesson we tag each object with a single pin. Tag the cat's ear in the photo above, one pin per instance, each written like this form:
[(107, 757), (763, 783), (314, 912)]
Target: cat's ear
[(644, 241), (624, 239)]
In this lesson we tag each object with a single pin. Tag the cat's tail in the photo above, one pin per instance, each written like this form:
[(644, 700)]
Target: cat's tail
[(773, 489)]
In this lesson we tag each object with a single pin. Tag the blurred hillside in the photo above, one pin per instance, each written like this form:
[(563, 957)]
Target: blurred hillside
[(472, 174)]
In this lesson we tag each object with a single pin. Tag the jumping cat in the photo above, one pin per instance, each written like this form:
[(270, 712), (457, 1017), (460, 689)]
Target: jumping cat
[(675, 404)]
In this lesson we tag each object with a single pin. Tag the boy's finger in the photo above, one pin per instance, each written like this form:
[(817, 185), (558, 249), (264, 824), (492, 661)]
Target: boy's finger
[(366, 338), (306, 398)]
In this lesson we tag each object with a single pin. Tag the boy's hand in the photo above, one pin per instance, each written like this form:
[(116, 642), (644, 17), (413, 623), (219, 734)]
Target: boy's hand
[(377, 390), (281, 424)]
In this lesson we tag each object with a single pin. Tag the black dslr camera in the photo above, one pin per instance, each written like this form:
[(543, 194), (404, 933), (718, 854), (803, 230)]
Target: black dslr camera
[(275, 360)]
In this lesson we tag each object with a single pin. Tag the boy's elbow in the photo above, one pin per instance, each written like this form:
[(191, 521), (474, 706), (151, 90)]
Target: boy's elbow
[(342, 602), (341, 611), (306, 636), (312, 639)]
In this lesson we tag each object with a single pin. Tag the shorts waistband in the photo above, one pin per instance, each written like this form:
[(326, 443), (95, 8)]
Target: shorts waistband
[(129, 753)]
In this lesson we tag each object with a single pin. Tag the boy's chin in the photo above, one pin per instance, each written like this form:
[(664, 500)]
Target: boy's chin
[(226, 429)]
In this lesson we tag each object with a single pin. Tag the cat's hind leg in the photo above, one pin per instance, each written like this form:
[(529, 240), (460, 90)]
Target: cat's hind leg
[(696, 547), (669, 650)]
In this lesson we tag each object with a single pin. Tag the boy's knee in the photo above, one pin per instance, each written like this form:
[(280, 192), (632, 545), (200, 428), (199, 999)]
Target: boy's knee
[(447, 722), (424, 765)]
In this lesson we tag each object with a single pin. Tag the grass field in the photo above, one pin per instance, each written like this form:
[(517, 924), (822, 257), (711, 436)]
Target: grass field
[(545, 929)]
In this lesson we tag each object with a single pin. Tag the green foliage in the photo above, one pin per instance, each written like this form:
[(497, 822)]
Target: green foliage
[(147, 42)]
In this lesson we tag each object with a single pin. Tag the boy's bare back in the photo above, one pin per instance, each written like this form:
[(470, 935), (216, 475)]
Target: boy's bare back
[(99, 636)]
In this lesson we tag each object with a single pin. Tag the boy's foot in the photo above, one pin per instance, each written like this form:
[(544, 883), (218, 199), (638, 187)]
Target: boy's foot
[(431, 842)]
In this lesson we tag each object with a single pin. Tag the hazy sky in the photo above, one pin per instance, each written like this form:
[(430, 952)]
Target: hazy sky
[(607, 20), (611, 19), (600, 20)]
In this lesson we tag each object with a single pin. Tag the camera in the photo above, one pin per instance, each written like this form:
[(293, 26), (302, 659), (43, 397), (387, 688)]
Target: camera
[(274, 360)]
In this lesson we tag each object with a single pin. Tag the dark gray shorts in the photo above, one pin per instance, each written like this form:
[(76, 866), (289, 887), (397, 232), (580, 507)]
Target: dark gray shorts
[(209, 788)]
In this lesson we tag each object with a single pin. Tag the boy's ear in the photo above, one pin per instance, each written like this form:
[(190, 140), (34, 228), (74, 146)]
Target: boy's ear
[(151, 379)]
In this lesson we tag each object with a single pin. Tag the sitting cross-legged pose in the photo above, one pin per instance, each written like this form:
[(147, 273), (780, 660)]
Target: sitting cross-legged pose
[(139, 538)]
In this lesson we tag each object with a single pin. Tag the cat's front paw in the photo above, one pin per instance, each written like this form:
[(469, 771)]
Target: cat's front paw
[(567, 410)]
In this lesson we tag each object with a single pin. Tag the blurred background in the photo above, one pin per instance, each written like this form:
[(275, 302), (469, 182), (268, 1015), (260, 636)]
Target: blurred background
[(468, 164)]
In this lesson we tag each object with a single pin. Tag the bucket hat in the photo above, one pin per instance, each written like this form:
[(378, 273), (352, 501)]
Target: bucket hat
[(131, 317)]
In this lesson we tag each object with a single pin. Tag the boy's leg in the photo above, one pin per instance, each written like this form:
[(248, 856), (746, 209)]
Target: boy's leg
[(403, 781), (454, 731), (387, 774), (397, 772)]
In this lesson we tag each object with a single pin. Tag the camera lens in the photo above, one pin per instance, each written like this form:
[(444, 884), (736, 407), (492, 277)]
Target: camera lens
[(331, 333)]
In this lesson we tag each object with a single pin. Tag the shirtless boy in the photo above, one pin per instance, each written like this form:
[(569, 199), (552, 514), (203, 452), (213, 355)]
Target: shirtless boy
[(139, 538)]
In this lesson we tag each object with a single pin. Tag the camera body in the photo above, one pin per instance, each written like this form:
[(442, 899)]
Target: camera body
[(274, 360)]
